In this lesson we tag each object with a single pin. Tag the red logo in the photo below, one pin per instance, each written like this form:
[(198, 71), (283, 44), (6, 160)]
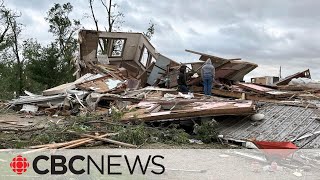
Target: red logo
[(19, 164)]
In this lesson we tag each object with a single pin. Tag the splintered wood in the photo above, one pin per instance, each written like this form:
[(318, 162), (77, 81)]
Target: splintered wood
[(80, 142), (184, 109)]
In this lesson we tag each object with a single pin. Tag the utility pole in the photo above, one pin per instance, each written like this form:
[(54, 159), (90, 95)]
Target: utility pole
[(280, 73)]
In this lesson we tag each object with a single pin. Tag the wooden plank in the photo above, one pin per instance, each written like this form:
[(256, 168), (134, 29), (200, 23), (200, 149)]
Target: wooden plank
[(286, 80), (84, 141), (248, 96), (264, 90), (254, 87), (208, 109), (110, 141)]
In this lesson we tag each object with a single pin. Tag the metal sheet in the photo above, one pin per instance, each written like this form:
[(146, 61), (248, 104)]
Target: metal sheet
[(281, 123), (159, 69)]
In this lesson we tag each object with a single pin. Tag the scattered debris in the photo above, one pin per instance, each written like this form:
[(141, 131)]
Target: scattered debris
[(257, 117), (132, 84)]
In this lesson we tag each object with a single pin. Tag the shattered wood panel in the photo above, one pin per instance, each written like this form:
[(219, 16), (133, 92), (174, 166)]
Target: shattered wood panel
[(59, 89), (196, 109), (144, 76), (281, 123), (254, 87), (55, 99), (159, 69), (217, 61), (115, 73), (132, 69), (285, 81), (223, 73), (239, 74), (100, 85), (63, 88), (230, 69), (238, 95), (234, 70), (133, 84), (173, 76), (264, 90)]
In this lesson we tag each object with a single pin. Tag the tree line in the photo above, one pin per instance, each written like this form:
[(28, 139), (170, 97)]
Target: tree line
[(25, 64)]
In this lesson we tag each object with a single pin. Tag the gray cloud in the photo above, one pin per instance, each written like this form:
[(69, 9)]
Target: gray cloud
[(270, 33)]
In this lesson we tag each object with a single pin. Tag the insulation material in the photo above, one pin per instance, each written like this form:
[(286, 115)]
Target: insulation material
[(29, 108), (100, 85)]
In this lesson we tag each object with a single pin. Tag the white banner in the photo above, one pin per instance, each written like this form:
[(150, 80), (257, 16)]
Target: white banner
[(160, 164)]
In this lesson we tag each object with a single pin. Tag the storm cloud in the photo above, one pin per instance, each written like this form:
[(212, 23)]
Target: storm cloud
[(270, 33)]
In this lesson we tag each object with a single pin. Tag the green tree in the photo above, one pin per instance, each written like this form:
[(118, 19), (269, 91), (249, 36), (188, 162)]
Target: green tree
[(150, 31), (44, 66), (8, 79), (64, 30), (6, 16), (12, 66)]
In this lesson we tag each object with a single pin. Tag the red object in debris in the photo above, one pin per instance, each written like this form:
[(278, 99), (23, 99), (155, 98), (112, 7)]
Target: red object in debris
[(276, 150), (274, 145)]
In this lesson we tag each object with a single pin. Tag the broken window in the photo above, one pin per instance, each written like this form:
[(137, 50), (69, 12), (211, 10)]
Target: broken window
[(117, 47), (145, 57), (111, 47)]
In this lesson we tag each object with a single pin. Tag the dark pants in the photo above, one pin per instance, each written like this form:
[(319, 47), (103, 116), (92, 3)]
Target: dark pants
[(207, 85), (183, 88)]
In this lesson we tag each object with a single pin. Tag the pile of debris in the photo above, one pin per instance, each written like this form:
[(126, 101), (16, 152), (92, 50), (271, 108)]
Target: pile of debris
[(129, 81), (133, 78)]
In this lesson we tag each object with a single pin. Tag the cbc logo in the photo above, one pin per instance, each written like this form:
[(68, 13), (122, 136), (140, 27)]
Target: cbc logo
[(19, 164)]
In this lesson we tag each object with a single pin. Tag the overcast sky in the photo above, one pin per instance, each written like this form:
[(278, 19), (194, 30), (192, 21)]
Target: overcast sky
[(269, 33)]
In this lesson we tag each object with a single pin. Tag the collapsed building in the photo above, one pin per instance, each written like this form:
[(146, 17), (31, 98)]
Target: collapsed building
[(132, 53), (123, 71)]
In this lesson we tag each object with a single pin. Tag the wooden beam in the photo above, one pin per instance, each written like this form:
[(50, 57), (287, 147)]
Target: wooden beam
[(191, 113)]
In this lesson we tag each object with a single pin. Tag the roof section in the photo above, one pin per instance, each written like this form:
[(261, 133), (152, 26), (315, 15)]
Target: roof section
[(281, 123), (231, 69)]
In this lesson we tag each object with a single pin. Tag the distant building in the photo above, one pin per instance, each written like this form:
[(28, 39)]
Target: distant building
[(266, 80)]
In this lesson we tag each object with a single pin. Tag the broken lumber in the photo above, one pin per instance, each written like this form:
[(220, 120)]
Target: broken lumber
[(285, 81), (110, 141), (57, 145), (82, 142), (21, 130), (194, 109)]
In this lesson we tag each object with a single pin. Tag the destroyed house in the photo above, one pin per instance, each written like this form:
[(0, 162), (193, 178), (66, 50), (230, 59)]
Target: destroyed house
[(113, 69), (132, 53)]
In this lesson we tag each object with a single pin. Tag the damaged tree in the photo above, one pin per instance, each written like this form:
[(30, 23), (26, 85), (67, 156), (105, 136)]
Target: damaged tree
[(16, 30), (9, 39), (114, 21), (5, 15), (64, 29)]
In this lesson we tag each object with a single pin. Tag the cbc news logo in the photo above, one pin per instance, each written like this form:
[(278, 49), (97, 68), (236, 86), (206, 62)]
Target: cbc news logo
[(19, 164), (59, 164)]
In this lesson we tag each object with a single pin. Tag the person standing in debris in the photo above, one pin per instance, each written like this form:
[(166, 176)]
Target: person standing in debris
[(182, 80), (207, 74)]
